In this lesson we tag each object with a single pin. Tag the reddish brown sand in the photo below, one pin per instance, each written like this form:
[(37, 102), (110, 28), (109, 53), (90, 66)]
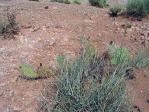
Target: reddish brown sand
[(48, 29)]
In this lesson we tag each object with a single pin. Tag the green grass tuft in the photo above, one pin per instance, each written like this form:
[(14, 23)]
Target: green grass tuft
[(136, 8), (89, 85), (119, 55), (115, 10), (98, 3)]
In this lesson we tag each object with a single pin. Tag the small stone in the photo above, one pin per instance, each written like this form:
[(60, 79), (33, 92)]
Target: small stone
[(118, 29), (35, 29), (142, 38), (99, 35), (129, 30), (26, 26), (46, 7), (1, 93)]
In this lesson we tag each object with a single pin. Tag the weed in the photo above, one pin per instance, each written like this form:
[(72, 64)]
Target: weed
[(98, 3), (77, 2), (60, 59), (141, 61), (9, 27), (119, 55), (146, 5), (136, 8), (95, 83), (89, 85), (115, 10)]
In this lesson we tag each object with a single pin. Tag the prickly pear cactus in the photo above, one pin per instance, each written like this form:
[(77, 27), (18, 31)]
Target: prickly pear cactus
[(27, 71), (44, 72)]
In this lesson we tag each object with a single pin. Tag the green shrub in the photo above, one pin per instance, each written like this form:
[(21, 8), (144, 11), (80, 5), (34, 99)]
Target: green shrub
[(115, 10), (136, 8), (89, 85), (119, 55), (146, 5), (98, 3), (77, 1), (4, 25), (141, 61)]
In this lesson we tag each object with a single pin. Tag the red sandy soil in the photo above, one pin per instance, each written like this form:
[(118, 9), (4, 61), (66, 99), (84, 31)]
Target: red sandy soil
[(47, 29)]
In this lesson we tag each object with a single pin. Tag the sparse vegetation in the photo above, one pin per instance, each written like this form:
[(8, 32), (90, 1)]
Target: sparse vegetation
[(34, 0), (91, 84), (142, 60), (67, 1), (146, 5), (136, 8), (77, 1), (98, 3), (119, 55), (115, 10), (9, 26)]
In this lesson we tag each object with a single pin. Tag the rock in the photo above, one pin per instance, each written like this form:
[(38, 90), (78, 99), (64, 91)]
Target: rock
[(46, 7), (129, 30), (118, 29), (26, 26), (99, 35), (142, 38), (1, 93), (35, 29)]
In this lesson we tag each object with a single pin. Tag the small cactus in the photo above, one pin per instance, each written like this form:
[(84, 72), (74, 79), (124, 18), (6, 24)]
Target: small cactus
[(27, 71), (44, 72)]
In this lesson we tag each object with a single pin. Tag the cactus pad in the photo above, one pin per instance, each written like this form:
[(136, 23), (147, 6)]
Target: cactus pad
[(44, 72), (27, 71)]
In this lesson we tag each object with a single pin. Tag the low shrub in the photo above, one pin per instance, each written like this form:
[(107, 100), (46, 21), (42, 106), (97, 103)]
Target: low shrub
[(146, 5), (95, 83), (142, 60), (90, 84), (9, 26), (77, 1), (119, 55), (98, 3), (115, 10), (136, 8)]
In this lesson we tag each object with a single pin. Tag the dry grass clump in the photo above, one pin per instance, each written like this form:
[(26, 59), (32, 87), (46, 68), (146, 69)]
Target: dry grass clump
[(9, 27)]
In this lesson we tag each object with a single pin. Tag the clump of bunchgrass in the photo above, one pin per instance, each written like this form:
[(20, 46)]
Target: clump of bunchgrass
[(77, 2), (115, 10), (142, 59), (119, 55), (98, 3), (136, 8), (90, 84), (9, 26), (146, 5)]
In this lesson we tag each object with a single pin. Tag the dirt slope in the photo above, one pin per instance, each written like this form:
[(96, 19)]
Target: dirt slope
[(48, 29)]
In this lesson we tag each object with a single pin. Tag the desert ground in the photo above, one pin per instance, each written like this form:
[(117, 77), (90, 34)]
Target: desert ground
[(48, 29)]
